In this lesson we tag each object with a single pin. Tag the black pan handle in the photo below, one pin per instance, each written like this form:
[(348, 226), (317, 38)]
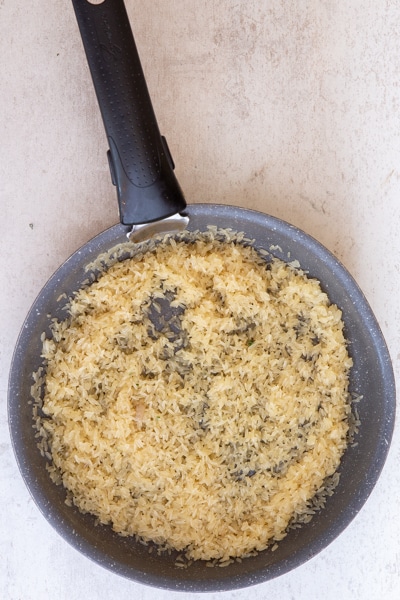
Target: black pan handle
[(140, 162)]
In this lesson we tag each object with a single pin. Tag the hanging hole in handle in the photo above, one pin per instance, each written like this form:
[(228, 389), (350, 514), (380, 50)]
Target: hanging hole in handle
[(95, 1)]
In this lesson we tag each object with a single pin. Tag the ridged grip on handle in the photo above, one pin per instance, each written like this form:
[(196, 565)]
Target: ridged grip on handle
[(140, 162)]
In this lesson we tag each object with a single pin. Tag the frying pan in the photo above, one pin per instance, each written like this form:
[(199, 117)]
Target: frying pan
[(148, 193)]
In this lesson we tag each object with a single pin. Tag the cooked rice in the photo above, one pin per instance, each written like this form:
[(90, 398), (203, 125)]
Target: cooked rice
[(197, 397)]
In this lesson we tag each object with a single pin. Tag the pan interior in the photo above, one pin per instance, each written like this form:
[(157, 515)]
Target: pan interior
[(371, 378)]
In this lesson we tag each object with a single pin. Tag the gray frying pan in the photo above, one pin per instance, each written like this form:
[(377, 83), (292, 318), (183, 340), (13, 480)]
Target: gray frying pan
[(150, 199)]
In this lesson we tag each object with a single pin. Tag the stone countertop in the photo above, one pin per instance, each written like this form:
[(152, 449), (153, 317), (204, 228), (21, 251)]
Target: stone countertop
[(291, 108)]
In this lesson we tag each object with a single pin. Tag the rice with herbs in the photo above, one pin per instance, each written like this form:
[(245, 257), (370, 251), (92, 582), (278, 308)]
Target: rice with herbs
[(197, 397)]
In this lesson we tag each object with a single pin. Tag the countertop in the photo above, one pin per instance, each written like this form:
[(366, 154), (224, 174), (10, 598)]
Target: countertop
[(290, 108)]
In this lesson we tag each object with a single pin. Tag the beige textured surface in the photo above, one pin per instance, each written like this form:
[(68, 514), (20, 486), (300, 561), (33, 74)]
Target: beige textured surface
[(292, 108)]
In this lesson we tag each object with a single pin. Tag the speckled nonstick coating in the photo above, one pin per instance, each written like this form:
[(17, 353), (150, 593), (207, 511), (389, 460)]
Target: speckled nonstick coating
[(371, 377)]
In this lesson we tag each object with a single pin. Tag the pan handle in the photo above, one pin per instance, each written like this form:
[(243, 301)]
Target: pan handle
[(140, 162)]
